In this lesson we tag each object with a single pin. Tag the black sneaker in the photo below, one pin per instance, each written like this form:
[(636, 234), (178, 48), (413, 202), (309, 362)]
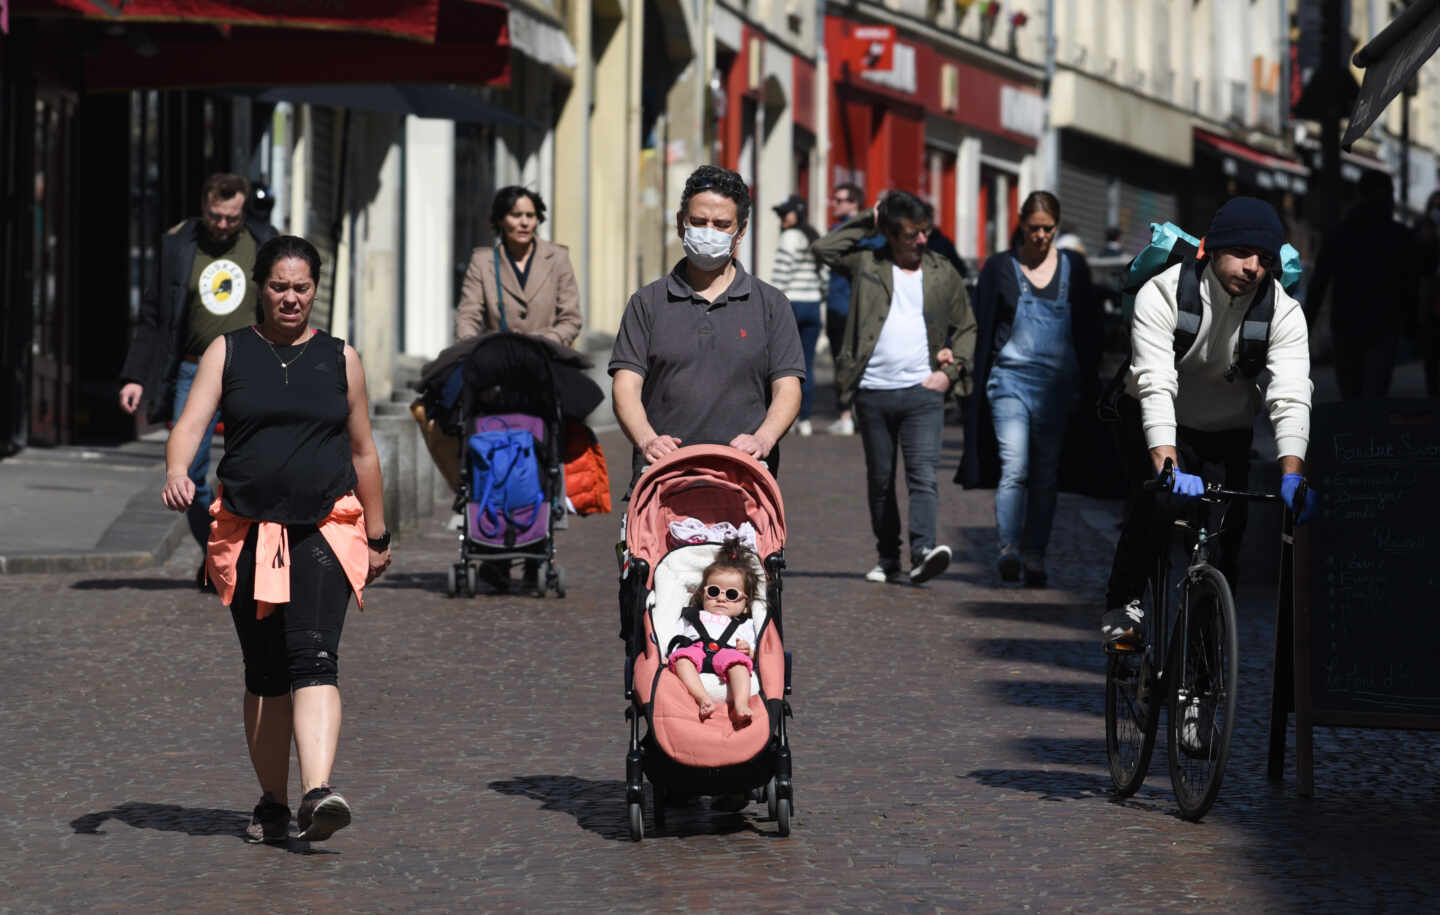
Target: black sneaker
[(269, 823), (530, 579), (935, 561), (1008, 568), (1123, 627), (1035, 576), (322, 812), (496, 575)]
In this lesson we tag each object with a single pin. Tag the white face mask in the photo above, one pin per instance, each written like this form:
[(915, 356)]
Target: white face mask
[(707, 248)]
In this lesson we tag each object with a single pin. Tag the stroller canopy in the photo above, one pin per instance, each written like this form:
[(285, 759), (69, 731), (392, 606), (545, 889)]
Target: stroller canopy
[(713, 483)]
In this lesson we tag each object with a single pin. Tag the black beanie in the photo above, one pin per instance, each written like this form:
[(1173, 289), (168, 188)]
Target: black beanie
[(1247, 222)]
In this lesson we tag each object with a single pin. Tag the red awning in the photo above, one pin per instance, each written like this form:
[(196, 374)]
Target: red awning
[(465, 42), (416, 20), (1253, 156)]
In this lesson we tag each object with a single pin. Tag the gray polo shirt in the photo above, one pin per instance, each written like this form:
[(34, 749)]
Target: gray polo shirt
[(708, 366)]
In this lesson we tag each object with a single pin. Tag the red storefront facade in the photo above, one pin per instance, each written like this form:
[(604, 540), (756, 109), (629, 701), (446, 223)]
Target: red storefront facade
[(954, 131)]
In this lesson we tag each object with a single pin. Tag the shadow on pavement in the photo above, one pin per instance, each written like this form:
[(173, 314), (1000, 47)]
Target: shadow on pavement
[(194, 821), (1069, 654), (134, 584), (1077, 751), (416, 581), (1049, 785), (599, 807), (1085, 698), (1082, 617)]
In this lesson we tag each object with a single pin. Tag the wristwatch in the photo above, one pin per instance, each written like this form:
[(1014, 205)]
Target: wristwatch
[(380, 544)]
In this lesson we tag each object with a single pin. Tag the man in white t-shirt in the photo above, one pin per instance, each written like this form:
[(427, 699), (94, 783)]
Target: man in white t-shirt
[(907, 306)]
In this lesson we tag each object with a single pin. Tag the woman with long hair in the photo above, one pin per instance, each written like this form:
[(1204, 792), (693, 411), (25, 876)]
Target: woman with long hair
[(1040, 335)]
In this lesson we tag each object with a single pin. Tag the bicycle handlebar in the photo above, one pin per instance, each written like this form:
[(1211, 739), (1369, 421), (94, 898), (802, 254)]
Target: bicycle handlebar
[(1214, 492)]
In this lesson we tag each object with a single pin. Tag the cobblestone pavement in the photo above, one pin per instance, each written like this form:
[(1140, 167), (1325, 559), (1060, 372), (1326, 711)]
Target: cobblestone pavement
[(948, 749)]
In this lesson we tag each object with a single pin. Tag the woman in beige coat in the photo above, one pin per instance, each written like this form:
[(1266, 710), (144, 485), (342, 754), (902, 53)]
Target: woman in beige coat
[(537, 293)]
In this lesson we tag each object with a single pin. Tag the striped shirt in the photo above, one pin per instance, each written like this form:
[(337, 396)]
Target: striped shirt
[(796, 272)]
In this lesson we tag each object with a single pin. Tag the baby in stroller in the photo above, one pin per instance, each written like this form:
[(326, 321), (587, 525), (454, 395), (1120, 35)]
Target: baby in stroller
[(722, 603)]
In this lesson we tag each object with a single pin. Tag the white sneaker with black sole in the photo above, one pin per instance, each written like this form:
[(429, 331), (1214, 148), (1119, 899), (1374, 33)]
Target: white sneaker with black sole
[(882, 574), (935, 561)]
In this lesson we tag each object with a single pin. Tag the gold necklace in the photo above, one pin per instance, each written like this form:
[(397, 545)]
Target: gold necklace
[(284, 366)]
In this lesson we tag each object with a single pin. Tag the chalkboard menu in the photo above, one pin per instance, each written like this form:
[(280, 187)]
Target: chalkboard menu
[(1373, 569)]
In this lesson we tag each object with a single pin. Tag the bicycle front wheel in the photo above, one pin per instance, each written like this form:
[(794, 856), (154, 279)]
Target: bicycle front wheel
[(1205, 677)]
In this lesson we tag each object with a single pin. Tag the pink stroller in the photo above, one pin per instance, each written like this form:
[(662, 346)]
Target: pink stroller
[(680, 754)]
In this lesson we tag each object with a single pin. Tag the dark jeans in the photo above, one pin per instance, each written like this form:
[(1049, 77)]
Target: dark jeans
[(1149, 516), (807, 319), (198, 514), (911, 419), (297, 645), (835, 334)]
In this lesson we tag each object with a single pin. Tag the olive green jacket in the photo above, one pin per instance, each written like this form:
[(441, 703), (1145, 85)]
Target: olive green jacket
[(948, 318)]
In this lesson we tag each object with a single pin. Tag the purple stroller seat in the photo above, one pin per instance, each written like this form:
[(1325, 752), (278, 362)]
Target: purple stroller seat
[(538, 529)]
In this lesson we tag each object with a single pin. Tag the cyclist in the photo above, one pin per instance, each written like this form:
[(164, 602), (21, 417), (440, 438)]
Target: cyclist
[(1195, 401)]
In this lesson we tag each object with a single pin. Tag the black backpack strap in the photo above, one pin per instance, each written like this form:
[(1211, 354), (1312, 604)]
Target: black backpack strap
[(724, 640), (1253, 347), (1188, 307)]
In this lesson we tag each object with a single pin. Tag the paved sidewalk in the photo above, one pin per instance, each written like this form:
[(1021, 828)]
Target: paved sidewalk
[(86, 508), (949, 749)]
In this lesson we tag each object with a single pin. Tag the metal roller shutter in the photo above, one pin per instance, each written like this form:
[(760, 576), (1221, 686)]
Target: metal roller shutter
[(1083, 204)]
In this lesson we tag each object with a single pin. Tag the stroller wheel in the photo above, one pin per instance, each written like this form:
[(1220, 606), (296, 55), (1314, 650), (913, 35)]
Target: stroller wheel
[(451, 584), (637, 821), (559, 582), (782, 815), (472, 586), (772, 800)]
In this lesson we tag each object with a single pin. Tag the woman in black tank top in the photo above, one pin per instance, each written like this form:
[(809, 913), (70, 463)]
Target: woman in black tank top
[(299, 479)]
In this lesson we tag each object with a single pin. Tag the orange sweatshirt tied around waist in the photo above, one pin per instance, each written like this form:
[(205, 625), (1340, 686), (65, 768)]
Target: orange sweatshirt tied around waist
[(343, 529)]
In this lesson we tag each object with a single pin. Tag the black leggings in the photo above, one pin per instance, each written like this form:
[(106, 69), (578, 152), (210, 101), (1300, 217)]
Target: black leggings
[(1149, 516), (298, 644)]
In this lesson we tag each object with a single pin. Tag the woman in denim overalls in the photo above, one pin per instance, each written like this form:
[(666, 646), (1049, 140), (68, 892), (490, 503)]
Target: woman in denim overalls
[(1034, 380)]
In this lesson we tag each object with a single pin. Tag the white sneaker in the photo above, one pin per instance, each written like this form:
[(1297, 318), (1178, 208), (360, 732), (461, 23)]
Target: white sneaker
[(842, 426), (1196, 723), (880, 575), (804, 428), (935, 561)]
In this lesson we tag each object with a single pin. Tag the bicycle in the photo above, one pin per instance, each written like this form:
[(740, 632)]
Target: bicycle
[(1197, 677)]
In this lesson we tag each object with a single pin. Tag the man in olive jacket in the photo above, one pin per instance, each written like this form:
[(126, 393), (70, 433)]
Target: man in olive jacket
[(908, 346)]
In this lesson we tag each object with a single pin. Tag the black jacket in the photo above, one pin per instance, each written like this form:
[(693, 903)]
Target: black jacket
[(154, 357)]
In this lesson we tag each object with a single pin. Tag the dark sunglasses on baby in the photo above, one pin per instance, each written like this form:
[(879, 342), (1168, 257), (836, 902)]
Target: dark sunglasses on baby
[(713, 591)]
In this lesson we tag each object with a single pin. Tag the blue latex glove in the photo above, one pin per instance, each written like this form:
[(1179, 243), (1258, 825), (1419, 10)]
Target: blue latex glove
[(1186, 485), (1288, 485)]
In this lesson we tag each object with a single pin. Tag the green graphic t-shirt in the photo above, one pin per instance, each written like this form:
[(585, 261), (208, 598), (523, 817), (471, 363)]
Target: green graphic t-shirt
[(221, 296)]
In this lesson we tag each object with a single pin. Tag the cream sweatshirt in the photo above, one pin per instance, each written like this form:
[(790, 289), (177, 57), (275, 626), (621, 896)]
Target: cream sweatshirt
[(1195, 393)]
